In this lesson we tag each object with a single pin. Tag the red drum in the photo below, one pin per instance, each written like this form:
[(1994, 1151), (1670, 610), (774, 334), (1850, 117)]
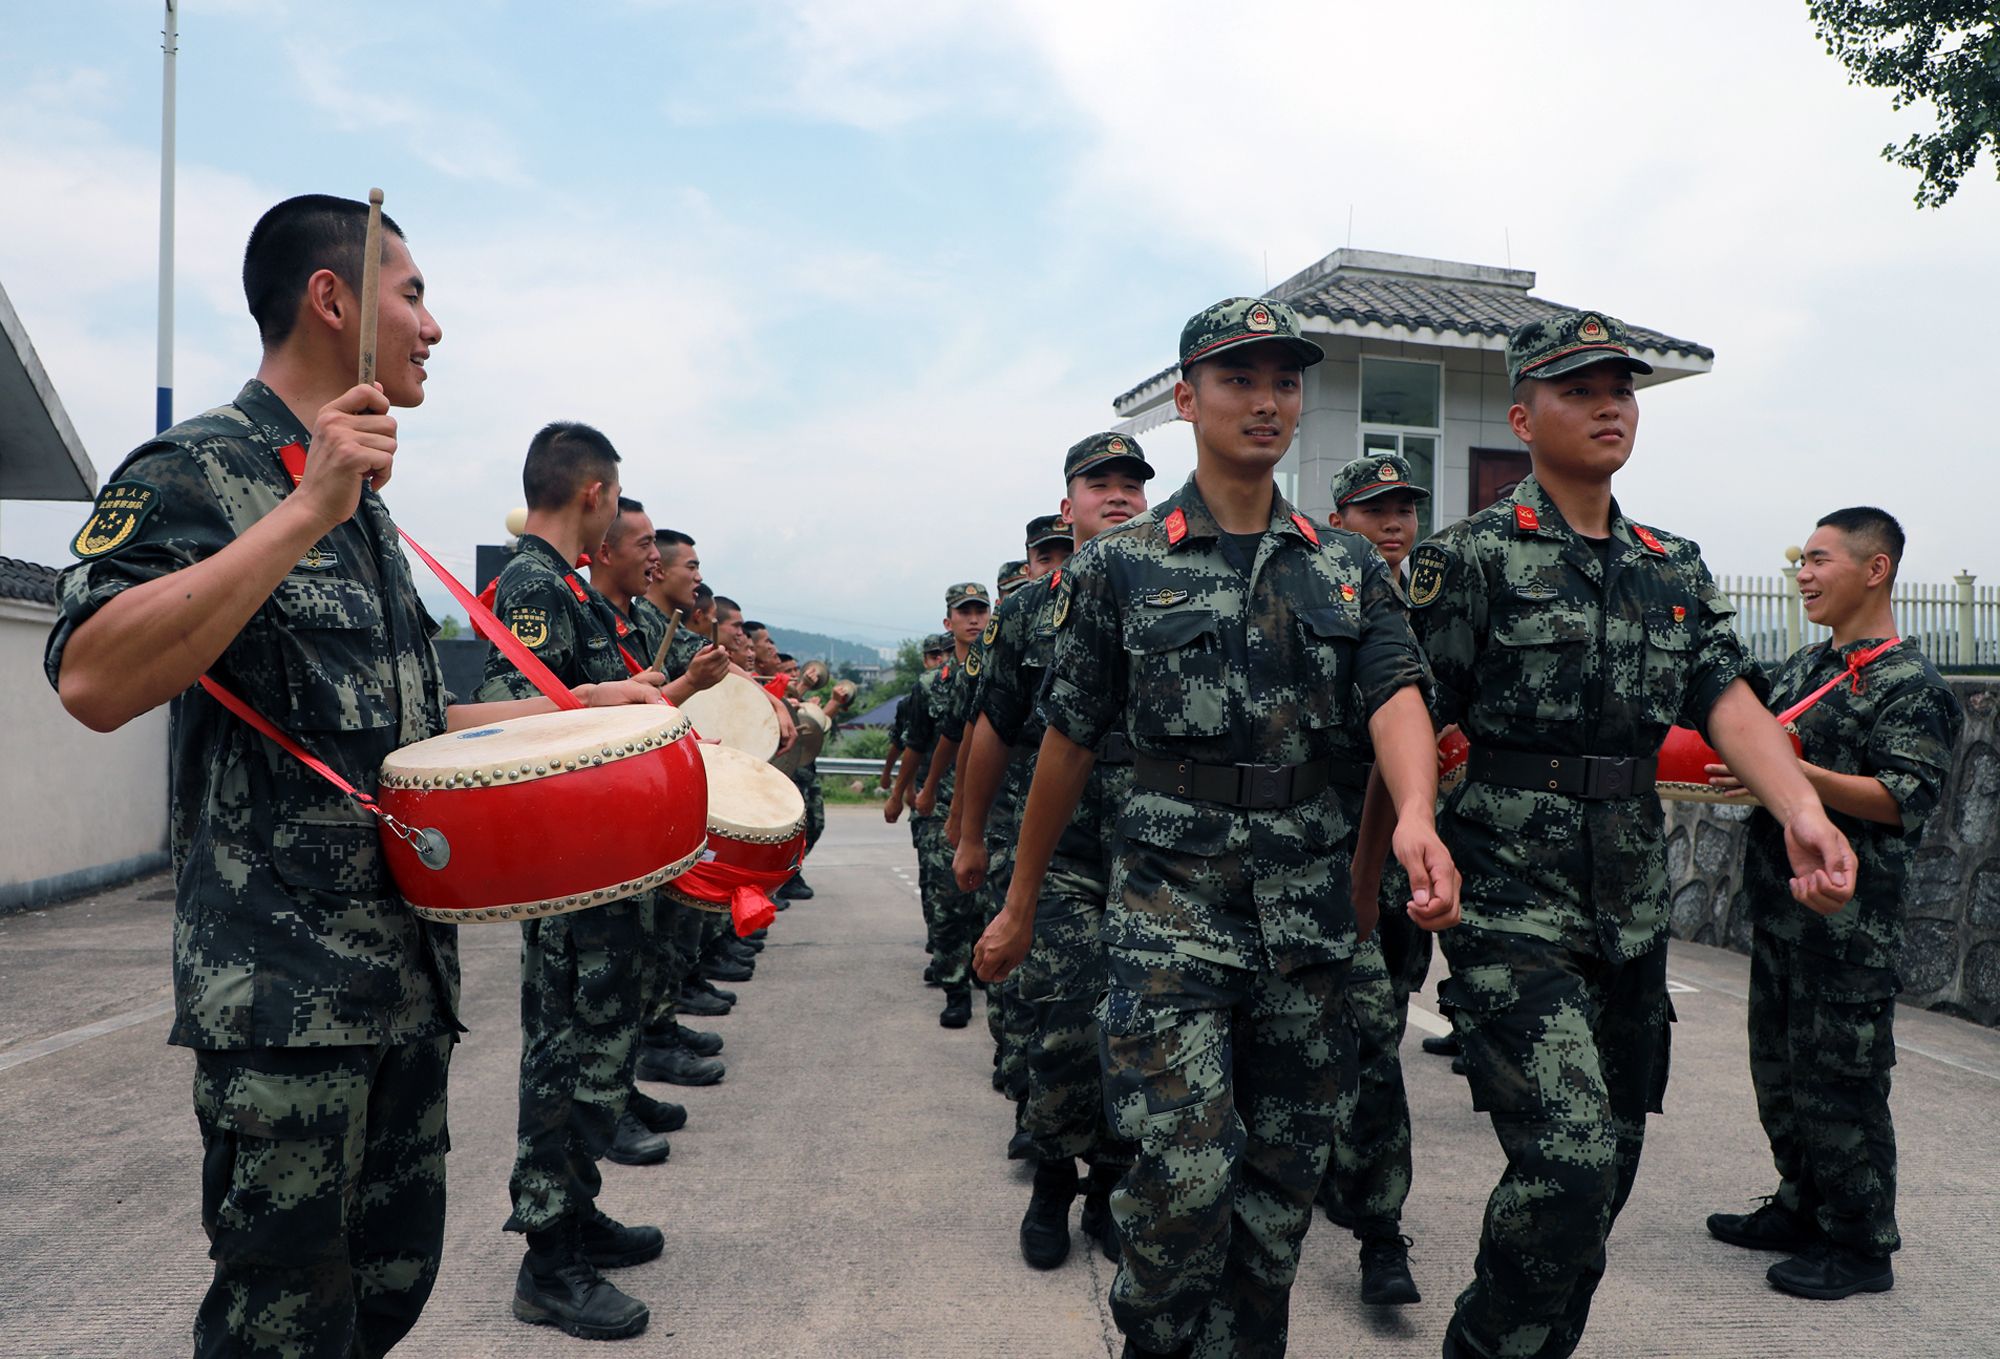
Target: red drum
[(539, 815), (756, 837), (1683, 776)]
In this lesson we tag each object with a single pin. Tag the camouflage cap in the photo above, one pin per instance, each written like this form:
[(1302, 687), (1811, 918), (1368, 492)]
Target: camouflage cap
[(1373, 475), (1049, 528), (1099, 449), (1013, 575), (966, 592), (937, 644), (1238, 321), (1567, 341)]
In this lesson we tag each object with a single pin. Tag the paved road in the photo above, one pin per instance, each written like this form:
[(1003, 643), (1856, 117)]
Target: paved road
[(844, 1192)]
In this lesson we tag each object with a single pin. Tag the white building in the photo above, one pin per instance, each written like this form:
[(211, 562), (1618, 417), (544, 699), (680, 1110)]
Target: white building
[(1416, 364)]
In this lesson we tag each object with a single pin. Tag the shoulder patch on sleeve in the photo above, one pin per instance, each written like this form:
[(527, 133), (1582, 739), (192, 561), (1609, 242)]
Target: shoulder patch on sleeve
[(530, 625), (1061, 606), (1428, 566), (115, 518), (992, 631)]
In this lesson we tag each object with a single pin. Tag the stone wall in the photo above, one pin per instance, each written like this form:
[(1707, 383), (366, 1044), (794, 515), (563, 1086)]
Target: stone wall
[(1951, 953)]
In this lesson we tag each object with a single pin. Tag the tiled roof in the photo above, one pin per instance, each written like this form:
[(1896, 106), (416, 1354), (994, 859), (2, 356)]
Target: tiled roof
[(27, 580), (1436, 304)]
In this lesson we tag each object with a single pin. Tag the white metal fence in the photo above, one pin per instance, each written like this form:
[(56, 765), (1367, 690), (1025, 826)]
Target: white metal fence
[(1957, 625)]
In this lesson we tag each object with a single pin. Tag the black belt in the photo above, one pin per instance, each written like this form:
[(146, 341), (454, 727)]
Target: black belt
[(1599, 777), (1114, 749), (1254, 786)]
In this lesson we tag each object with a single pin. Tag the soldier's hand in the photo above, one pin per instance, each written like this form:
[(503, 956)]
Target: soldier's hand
[(353, 440), (1434, 883), (1722, 781), (968, 865), (617, 693), (788, 731), (951, 826), (1823, 869), (655, 678), (1002, 946), (708, 667), (926, 803), (892, 809)]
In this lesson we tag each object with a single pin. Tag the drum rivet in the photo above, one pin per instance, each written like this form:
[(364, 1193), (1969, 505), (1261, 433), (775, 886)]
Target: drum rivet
[(541, 769)]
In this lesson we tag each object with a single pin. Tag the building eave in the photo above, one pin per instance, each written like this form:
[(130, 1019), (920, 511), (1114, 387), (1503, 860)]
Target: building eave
[(41, 457)]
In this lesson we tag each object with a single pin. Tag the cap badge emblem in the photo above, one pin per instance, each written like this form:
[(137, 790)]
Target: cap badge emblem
[(1115, 445), (1592, 329), (1387, 472), (1260, 319)]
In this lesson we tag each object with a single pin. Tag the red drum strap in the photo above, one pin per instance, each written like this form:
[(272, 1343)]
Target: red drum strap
[(1855, 664)]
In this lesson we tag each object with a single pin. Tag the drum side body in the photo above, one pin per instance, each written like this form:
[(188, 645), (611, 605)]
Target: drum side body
[(774, 862), (543, 846)]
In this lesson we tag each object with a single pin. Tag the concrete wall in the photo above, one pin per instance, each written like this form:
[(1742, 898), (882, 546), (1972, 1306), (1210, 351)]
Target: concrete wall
[(1474, 416), (1951, 955), (77, 810)]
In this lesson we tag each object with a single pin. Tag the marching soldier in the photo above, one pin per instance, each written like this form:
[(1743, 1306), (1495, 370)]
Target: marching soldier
[(1566, 640), (1878, 750), (904, 778), (1243, 654)]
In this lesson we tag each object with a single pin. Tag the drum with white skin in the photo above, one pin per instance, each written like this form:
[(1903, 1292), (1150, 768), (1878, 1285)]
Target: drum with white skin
[(756, 831), (737, 713)]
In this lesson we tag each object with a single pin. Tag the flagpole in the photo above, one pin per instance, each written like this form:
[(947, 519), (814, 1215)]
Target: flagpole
[(163, 394)]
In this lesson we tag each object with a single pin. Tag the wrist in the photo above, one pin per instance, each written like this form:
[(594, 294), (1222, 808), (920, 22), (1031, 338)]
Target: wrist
[(299, 522)]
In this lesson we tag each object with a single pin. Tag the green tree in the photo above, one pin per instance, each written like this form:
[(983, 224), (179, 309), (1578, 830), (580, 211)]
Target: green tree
[(450, 628), (1944, 52)]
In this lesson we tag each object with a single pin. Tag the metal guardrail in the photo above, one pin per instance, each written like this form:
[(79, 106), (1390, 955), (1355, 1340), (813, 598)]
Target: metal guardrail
[(834, 764)]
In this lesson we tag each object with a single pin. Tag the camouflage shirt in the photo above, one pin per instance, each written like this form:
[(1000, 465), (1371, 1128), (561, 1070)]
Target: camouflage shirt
[(924, 713), (1541, 646), (1279, 660), (651, 624), (1899, 725), (287, 928), (571, 628)]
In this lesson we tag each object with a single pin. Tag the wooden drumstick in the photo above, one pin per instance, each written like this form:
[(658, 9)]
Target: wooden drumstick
[(673, 629), (371, 284)]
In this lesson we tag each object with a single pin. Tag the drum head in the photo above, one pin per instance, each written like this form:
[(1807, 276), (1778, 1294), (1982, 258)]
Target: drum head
[(813, 725), (523, 748), (738, 714), (749, 800)]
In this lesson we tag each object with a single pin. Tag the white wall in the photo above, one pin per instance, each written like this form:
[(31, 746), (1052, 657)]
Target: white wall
[(71, 801)]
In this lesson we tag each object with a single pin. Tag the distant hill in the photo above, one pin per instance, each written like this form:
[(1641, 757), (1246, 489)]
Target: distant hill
[(807, 645)]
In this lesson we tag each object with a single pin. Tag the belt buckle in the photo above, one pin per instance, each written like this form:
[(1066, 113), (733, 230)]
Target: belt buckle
[(1262, 787), (1607, 777)]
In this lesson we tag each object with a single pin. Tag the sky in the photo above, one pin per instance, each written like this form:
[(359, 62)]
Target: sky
[(842, 279)]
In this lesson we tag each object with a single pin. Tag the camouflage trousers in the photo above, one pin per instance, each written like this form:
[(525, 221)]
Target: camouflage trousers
[(1009, 1023), (1231, 1083), (1060, 985), (322, 1193), (919, 836), (809, 789), (955, 918), (1370, 1171), (582, 1006), (1567, 1055), (672, 932), (1822, 1042)]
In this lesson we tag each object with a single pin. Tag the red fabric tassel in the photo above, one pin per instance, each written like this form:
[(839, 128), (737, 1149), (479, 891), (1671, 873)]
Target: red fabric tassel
[(743, 890)]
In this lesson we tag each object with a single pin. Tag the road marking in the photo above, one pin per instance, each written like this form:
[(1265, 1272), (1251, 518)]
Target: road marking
[(1435, 1025), (69, 1038), (1680, 988)]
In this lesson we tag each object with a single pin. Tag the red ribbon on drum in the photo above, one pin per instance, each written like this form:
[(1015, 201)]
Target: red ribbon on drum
[(746, 892)]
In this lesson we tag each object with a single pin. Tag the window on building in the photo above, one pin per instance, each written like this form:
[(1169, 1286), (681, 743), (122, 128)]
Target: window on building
[(1401, 405)]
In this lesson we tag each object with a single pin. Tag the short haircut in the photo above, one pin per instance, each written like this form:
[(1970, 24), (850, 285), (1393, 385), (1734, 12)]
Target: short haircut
[(291, 243), (786, 656), (670, 542), (564, 457), (724, 604), (1873, 530), (703, 596), (754, 627), (627, 505)]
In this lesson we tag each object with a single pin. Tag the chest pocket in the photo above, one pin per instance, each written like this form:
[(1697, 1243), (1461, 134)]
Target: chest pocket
[(326, 638), (1535, 669), (1328, 639), (1668, 660), (1178, 681)]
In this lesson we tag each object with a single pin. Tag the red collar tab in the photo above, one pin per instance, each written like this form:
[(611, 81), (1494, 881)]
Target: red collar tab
[(293, 456), (1176, 527), (576, 588), (1526, 519), (1055, 580), (1645, 535), (622, 629), (944, 672), (583, 559), (1305, 527)]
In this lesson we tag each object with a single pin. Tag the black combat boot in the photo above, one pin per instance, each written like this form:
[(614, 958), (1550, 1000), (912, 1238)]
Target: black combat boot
[(701, 1004), (1443, 1045), (610, 1244), (708, 985), (1385, 1271), (657, 1114), (700, 1042), (1045, 1226), (677, 1066), (1021, 1146), (635, 1144), (1096, 1220), (957, 1011), (1827, 1271), (1771, 1227), (796, 889), (558, 1287), (1335, 1207), (930, 975), (724, 968)]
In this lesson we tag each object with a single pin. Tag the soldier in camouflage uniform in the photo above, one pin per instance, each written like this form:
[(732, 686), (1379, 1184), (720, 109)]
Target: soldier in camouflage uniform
[(1369, 1180), (582, 998), (955, 915), (621, 567), (1878, 750), (245, 545), (1013, 575), (1242, 653), (1566, 639), (904, 778)]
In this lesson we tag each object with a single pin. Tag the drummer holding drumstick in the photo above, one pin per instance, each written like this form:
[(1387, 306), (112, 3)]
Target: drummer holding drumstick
[(320, 1009)]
